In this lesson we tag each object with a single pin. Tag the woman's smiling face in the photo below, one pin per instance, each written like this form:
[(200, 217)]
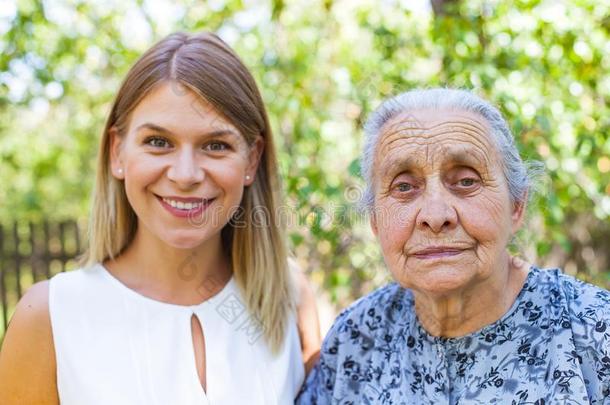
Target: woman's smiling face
[(184, 166), (442, 209)]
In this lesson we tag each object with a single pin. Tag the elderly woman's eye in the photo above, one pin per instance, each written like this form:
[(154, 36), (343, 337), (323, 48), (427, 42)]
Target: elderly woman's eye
[(404, 187), (157, 142), (469, 182)]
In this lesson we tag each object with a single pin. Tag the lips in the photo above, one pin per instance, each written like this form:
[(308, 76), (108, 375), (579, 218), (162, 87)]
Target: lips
[(185, 206), (436, 252)]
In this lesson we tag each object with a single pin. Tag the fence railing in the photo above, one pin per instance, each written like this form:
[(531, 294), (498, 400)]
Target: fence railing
[(30, 252)]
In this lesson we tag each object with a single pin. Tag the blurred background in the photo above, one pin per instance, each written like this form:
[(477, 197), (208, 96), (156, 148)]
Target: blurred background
[(322, 66)]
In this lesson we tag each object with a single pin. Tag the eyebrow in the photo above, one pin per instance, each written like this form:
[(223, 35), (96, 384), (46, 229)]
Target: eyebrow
[(464, 158), (157, 128), (458, 157), (402, 164)]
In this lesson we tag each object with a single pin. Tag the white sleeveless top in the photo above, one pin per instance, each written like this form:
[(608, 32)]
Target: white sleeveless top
[(115, 346)]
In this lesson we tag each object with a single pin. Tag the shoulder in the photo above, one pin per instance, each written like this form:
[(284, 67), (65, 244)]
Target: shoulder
[(585, 314), (580, 297), (358, 327), (581, 301), (27, 358), (69, 289), (34, 305), (588, 307), (77, 276), (582, 294), (350, 343), (383, 306), (30, 325), (589, 320)]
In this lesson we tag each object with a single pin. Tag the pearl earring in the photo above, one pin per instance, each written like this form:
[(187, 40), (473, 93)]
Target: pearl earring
[(120, 171), (247, 177)]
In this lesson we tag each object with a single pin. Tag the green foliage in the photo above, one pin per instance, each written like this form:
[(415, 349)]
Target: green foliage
[(322, 66)]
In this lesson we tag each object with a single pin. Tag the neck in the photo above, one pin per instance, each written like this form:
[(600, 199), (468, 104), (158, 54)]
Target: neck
[(165, 273), (462, 312)]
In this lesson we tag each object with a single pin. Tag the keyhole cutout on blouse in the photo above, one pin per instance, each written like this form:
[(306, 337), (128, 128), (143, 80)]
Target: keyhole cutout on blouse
[(199, 349)]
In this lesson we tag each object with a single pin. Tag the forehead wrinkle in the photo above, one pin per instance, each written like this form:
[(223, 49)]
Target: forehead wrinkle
[(438, 117), (459, 154), (469, 125), (479, 145), (410, 156), (472, 132), (455, 153), (475, 147), (405, 158), (436, 130), (434, 117), (481, 140), (453, 128), (397, 127), (464, 156)]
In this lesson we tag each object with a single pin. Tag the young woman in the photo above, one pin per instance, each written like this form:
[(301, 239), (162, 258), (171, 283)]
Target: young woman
[(186, 296)]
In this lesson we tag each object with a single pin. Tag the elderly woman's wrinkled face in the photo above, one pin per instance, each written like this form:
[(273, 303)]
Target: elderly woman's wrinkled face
[(442, 210)]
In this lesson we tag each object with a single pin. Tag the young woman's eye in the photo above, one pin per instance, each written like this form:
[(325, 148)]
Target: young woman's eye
[(217, 146), (157, 142)]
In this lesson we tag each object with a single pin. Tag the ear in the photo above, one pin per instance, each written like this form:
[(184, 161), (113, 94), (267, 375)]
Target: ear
[(116, 162), (254, 158), (518, 214), (373, 222)]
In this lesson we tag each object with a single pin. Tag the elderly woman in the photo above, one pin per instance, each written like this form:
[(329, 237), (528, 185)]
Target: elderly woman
[(464, 323)]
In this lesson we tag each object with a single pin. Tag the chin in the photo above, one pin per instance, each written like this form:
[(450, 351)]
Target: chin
[(442, 288), (438, 281), (186, 245), (182, 240)]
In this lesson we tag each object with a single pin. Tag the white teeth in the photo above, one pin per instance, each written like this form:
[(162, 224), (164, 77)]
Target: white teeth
[(182, 205)]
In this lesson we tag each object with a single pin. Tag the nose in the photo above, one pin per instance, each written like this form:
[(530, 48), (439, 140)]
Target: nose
[(436, 213), (185, 170)]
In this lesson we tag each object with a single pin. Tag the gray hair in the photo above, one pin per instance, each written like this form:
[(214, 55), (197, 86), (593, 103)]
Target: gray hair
[(518, 174)]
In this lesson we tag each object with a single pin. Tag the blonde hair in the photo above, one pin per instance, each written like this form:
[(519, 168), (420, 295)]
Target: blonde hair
[(257, 251)]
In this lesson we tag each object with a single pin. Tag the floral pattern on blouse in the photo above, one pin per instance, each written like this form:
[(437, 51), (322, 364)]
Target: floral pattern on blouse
[(551, 347)]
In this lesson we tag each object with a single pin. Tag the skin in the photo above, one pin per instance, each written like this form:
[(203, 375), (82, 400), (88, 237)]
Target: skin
[(176, 145), (308, 323), (27, 359), (443, 216)]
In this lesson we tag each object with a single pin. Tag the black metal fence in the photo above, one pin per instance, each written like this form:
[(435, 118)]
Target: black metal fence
[(30, 252)]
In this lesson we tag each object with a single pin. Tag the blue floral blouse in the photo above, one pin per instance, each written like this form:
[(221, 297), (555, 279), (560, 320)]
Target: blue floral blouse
[(551, 347)]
